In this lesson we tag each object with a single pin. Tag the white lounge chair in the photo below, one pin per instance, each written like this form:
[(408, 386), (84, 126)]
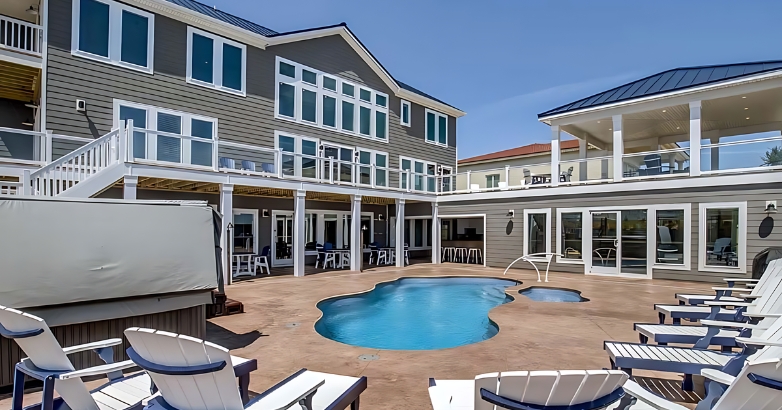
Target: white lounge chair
[(192, 375), (523, 390), (772, 274)]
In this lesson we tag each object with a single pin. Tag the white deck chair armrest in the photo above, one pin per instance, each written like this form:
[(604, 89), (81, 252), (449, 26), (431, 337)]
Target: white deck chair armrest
[(724, 289), (92, 346), (749, 296), (725, 323), (98, 370), (750, 285), (718, 376), (289, 394), (740, 280), (634, 389), (762, 315), (721, 303), (757, 341)]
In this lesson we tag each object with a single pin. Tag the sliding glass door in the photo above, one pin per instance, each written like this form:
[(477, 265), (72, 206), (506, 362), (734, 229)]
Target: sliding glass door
[(282, 239), (605, 242), (619, 242)]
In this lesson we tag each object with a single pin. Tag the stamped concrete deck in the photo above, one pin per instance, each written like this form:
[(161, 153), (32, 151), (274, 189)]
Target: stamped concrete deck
[(277, 329)]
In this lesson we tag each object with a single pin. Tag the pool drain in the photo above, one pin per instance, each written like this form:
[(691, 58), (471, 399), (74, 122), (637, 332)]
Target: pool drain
[(368, 357), (295, 324)]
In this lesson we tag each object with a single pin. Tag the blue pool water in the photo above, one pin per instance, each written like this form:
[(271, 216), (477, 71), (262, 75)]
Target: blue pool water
[(415, 313), (541, 294)]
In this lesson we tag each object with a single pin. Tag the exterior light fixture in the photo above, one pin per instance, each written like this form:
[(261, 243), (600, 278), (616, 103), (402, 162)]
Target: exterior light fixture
[(511, 213), (747, 117), (665, 110), (771, 207), (746, 108), (744, 96), (32, 10), (678, 128)]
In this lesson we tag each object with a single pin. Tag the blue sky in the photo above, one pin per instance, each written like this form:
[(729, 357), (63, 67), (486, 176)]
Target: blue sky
[(503, 62)]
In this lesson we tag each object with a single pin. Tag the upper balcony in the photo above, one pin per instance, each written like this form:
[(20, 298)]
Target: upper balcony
[(21, 35)]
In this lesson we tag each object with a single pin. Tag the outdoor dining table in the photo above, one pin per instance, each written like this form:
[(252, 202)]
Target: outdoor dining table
[(240, 258), (341, 258)]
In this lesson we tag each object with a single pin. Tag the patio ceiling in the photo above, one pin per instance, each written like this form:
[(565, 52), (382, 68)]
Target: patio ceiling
[(735, 112)]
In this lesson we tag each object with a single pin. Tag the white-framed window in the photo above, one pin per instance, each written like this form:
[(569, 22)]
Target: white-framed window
[(537, 227), (299, 154), (245, 231), (367, 158), (404, 113), (423, 174), (571, 225), (672, 232), (216, 62), (308, 96), (161, 134), (113, 33), (492, 181), (417, 232), (448, 183), (436, 128), (723, 237)]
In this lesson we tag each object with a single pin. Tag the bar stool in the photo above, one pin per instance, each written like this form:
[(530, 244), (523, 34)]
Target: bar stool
[(474, 254), (448, 253), (461, 254)]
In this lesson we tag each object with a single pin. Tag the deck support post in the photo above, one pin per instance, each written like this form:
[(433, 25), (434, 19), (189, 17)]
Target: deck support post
[(227, 209), (583, 169), (400, 233), (618, 148), (356, 251), (695, 138), (298, 232), (555, 154), (130, 186), (435, 233)]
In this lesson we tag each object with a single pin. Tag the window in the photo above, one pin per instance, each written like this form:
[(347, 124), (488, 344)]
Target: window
[(299, 156), (723, 228), (536, 230), (422, 174), (447, 179), (368, 158), (436, 128), (570, 241), (216, 62), (114, 33), (404, 113), (417, 233), (166, 135), (493, 181), (308, 96), (670, 237)]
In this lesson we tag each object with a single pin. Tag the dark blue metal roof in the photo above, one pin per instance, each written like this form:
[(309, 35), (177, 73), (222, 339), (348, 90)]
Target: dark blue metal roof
[(671, 80), (223, 16)]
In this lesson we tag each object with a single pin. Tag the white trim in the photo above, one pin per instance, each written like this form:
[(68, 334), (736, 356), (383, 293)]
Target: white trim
[(115, 36), (437, 116), (217, 62), (584, 226), (321, 92), (548, 230), (402, 105), (741, 242), (44, 64), (485, 233), (687, 235)]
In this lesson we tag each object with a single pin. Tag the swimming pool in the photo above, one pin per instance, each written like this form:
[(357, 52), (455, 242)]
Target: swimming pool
[(416, 313), (544, 294)]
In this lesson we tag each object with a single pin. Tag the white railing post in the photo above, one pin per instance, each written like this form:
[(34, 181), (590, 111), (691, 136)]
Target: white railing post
[(373, 174), (695, 138), (216, 154), (409, 180), (47, 156), (26, 183), (469, 180), (122, 142), (507, 175), (278, 159), (331, 170), (618, 148)]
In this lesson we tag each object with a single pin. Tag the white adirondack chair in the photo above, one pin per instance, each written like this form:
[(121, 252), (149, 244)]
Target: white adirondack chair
[(48, 361), (591, 389), (192, 375), (772, 274)]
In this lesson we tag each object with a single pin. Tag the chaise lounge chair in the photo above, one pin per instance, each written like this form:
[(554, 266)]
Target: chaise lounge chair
[(771, 275), (47, 361), (689, 361), (191, 374)]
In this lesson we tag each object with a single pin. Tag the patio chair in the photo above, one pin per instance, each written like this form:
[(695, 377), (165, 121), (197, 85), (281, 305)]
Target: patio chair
[(565, 176), (248, 165), (654, 165), (722, 246), (530, 390), (628, 356), (666, 246), (191, 374), (262, 261), (771, 274), (227, 163), (267, 167), (327, 256), (527, 177)]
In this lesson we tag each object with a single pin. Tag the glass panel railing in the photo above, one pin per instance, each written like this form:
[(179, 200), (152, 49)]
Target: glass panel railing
[(656, 164), (598, 169), (246, 158), (742, 153), (22, 146), (170, 148)]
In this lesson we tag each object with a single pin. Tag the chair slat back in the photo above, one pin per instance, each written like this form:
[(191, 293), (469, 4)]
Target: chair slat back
[(770, 279), (771, 297), (45, 352), (209, 391), (744, 394), (773, 334), (489, 382)]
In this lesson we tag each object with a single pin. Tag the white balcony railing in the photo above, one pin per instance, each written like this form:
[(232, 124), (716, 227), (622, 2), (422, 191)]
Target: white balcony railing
[(656, 164), (20, 36), (10, 188), (508, 177), (23, 147)]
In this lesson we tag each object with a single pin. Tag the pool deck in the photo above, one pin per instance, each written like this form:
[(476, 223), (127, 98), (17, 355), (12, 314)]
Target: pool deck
[(277, 329)]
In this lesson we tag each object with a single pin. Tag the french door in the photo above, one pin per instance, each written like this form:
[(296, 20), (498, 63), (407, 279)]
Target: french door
[(620, 242), (282, 239), (606, 242)]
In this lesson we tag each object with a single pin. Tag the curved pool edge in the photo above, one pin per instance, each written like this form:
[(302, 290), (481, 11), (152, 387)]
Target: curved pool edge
[(578, 292), (488, 314)]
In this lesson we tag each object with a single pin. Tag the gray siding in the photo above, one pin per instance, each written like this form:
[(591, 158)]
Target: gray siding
[(504, 236), (248, 120)]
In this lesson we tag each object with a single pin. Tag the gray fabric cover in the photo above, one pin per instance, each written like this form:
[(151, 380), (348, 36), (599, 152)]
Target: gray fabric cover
[(63, 251)]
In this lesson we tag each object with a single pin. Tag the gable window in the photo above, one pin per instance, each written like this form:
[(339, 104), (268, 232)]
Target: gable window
[(492, 181), (404, 113), (308, 96), (723, 231), (215, 62), (114, 33), (536, 231), (436, 128)]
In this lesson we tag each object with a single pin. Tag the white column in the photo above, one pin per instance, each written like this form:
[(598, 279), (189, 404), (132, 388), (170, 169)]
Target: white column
[(356, 251), (435, 233), (298, 232), (695, 138), (227, 209), (555, 154), (715, 154), (130, 186), (619, 148), (400, 233), (582, 154)]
